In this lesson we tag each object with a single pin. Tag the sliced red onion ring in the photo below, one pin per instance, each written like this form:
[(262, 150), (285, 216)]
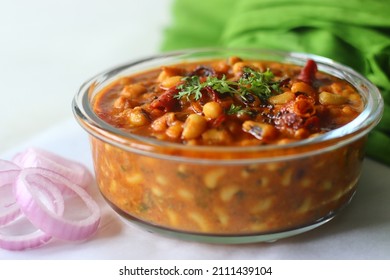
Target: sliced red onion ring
[(42, 217), (72, 170), (12, 236), (34, 184), (9, 210), (8, 165), (31, 240)]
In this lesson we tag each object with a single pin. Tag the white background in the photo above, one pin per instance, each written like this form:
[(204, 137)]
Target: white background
[(49, 48)]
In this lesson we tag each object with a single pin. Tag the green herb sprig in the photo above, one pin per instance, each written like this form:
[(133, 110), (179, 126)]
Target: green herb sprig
[(253, 82), (260, 84), (193, 87), (237, 109)]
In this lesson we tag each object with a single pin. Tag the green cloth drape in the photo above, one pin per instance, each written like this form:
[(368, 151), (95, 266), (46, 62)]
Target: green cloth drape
[(353, 32)]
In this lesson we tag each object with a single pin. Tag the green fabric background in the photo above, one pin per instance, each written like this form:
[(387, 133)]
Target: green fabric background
[(352, 32)]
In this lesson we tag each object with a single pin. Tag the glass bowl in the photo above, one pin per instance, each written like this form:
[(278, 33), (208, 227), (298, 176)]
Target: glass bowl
[(227, 194)]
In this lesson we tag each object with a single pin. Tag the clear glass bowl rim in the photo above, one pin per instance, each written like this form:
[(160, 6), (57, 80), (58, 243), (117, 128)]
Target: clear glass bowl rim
[(348, 133)]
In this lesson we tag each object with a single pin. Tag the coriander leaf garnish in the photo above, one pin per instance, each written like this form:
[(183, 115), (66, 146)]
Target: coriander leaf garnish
[(237, 109), (254, 82), (260, 84), (221, 85), (191, 86), (234, 109)]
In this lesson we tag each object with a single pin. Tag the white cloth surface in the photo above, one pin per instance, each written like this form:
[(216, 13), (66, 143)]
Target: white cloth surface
[(361, 231)]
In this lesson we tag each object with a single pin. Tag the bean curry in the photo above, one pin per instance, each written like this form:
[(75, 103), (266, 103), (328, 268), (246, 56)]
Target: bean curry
[(230, 103)]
